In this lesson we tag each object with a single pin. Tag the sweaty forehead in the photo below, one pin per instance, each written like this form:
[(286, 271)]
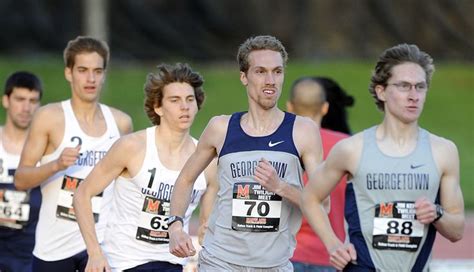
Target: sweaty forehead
[(265, 58)]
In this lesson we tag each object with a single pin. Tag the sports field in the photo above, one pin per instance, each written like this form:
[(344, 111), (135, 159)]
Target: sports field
[(448, 112)]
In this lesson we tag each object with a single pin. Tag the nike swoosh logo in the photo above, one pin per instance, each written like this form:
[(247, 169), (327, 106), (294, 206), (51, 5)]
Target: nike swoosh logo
[(270, 144), (416, 166)]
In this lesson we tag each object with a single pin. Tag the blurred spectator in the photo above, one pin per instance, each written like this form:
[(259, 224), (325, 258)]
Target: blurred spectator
[(18, 209), (324, 101)]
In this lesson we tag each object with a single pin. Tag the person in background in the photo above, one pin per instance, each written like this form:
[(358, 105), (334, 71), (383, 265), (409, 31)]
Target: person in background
[(403, 181), (318, 98), (68, 139), (336, 117), (18, 209)]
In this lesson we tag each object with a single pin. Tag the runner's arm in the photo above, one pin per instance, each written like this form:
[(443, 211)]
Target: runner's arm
[(308, 142), (108, 168), (208, 199), (180, 242), (28, 174), (319, 187), (451, 224)]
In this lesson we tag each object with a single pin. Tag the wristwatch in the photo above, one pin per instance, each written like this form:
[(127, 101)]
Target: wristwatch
[(439, 212), (173, 219)]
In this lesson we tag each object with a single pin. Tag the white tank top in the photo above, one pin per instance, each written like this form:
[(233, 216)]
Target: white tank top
[(137, 229), (14, 206), (7, 161), (57, 234)]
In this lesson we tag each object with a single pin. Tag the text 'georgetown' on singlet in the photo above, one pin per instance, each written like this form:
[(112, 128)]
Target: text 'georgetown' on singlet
[(137, 231), (249, 225), (380, 206), (57, 234)]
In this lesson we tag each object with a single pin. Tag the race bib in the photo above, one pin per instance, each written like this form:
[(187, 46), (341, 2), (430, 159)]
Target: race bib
[(153, 221), (254, 209), (64, 208), (396, 227), (14, 208)]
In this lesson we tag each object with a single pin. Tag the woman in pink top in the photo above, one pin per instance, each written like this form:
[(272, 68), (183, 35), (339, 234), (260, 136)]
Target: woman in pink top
[(324, 101)]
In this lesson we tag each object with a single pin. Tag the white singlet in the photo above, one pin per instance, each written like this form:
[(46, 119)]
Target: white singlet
[(137, 231), (57, 234)]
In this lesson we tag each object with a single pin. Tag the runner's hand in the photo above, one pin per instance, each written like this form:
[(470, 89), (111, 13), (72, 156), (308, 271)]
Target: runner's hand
[(68, 157), (266, 175), (425, 210), (181, 244), (97, 264), (341, 255)]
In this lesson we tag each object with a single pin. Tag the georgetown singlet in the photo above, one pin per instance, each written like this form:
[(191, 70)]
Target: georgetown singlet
[(137, 231), (57, 234), (380, 207), (251, 226), (18, 209)]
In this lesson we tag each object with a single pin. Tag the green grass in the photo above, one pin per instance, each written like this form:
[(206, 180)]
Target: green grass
[(447, 112)]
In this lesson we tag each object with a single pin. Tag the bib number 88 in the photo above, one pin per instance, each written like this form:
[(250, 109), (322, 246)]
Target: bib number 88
[(395, 228)]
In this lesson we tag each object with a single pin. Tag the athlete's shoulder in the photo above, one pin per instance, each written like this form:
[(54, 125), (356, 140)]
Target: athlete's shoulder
[(49, 113), (118, 113), (123, 120), (350, 145), (53, 108), (219, 119), (303, 119), (218, 123), (445, 154), (441, 145), (132, 142), (215, 132), (441, 141), (303, 123)]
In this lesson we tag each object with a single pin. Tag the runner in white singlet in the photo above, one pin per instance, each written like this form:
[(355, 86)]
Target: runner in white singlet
[(145, 166), (68, 139)]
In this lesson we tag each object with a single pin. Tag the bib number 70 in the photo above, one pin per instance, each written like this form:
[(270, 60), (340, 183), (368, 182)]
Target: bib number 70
[(263, 208)]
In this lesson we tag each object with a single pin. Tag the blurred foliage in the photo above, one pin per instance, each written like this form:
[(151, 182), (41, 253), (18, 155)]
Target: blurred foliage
[(208, 30)]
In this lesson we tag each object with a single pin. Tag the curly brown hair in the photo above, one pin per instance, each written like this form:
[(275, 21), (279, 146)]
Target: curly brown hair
[(396, 55), (167, 74)]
